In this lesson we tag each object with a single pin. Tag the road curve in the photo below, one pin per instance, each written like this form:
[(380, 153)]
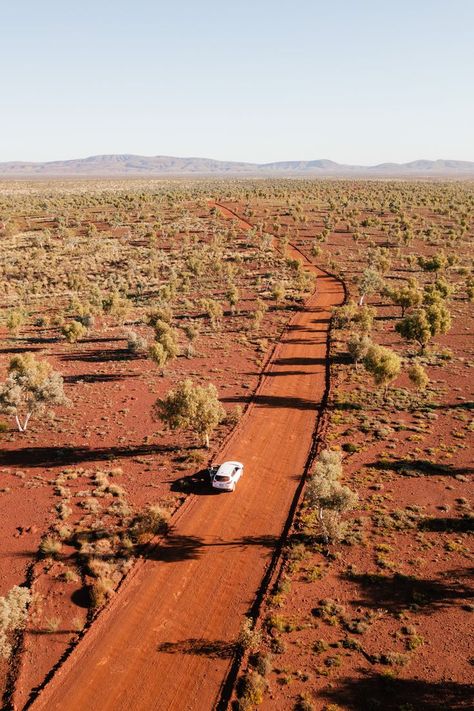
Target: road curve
[(165, 642)]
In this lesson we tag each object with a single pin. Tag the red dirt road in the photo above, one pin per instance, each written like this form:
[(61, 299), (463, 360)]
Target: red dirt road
[(165, 641)]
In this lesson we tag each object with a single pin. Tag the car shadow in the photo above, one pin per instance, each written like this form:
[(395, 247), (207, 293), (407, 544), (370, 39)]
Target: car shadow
[(198, 483)]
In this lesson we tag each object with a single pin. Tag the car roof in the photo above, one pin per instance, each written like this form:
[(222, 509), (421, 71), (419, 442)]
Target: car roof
[(228, 467)]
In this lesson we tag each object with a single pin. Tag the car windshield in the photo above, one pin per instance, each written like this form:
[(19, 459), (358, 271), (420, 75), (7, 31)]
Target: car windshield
[(221, 477)]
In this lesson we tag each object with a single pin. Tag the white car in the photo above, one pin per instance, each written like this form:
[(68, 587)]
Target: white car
[(227, 476)]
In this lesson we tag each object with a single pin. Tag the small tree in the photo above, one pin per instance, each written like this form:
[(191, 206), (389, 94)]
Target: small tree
[(191, 331), (166, 346), (439, 318), (232, 296), (418, 376), (438, 291), (383, 364), (31, 387), (407, 296), (73, 331), (116, 305), (191, 406), (357, 346), (369, 283), (278, 291), (343, 315), (15, 320), (158, 355), (424, 324), (170, 344), (363, 318), (214, 311), (327, 495), (434, 264), (415, 327), (160, 313), (161, 328)]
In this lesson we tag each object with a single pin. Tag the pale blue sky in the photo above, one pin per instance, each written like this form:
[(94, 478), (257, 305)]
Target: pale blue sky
[(357, 81)]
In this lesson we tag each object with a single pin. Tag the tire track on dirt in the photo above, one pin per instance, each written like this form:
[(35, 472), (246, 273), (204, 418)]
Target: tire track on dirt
[(167, 639)]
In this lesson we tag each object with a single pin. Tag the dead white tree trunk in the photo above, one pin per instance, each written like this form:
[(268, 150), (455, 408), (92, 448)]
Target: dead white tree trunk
[(22, 426)]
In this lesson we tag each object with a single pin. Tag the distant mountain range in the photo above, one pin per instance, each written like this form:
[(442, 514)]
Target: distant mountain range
[(149, 166)]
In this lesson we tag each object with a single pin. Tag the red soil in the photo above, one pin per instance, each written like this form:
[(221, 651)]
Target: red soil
[(166, 639), (109, 426), (411, 589)]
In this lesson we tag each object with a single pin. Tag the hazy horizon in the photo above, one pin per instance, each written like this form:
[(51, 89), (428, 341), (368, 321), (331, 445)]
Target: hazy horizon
[(224, 160), (360, 84)]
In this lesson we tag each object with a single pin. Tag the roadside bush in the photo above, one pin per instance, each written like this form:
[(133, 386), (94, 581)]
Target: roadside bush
[(50, 547), (13, 616), (100, 591), (251, 689), (151, 521), (234, 415), (249, 638), (343, 315), (325, 494)]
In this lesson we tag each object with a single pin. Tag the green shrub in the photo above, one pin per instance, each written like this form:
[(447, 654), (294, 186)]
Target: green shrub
[(73, 331)]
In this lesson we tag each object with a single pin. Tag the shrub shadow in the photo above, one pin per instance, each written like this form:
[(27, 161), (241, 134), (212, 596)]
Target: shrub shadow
[(375, 692), (61, 456), (97, 378), (396, 593), (420, 467), (448, 525), (101, 356)]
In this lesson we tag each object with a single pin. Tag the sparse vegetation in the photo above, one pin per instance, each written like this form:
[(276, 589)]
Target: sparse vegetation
[(172, 278)]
